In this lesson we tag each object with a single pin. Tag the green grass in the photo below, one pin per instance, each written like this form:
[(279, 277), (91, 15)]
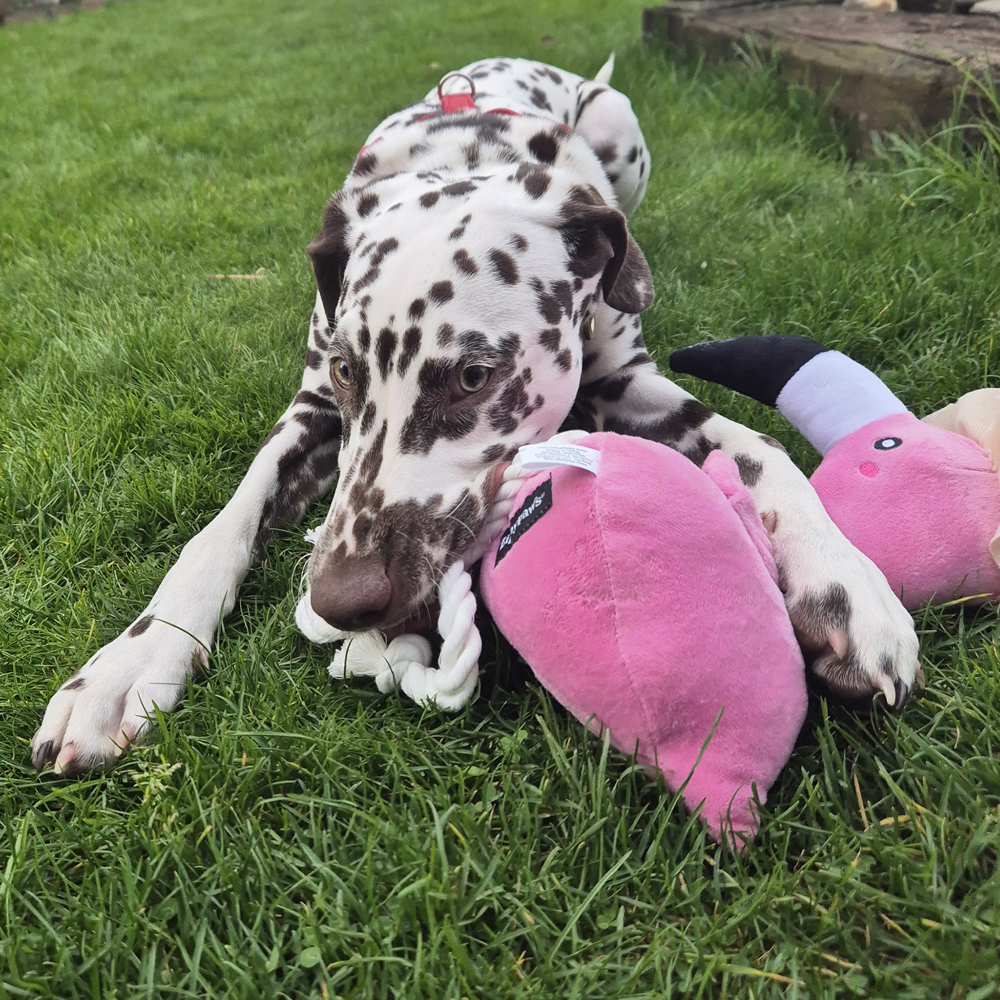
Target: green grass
[(283, 836)]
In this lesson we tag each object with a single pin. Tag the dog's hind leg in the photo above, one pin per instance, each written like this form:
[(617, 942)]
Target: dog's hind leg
[(107, 703), (604, 117)]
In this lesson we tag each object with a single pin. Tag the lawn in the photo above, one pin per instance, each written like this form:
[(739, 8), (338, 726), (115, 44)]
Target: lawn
[(282, 836)]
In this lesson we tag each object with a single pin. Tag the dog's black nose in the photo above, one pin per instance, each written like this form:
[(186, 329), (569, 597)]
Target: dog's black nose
[(352, 594)]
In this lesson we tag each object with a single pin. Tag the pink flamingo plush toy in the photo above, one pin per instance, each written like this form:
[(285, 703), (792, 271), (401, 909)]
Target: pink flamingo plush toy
[(645, 599), (642, 592), (920, 498)]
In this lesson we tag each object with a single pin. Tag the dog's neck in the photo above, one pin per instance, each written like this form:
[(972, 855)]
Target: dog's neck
[(461, 146)]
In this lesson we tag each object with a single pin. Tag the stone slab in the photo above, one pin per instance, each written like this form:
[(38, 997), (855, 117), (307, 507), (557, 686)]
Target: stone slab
[(895, 72)]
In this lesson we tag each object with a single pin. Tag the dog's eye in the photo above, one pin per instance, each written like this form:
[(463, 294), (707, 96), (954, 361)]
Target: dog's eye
[(473, 378), (341, 371), (887, 444)]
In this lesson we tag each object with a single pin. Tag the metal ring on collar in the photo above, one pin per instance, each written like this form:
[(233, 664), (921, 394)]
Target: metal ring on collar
[(448, 76)]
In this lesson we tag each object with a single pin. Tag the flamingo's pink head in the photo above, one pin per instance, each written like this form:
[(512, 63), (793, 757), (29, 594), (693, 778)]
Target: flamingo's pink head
[(921, 502)]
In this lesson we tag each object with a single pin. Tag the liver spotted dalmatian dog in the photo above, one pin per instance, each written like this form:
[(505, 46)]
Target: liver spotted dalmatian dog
[(476, 282)]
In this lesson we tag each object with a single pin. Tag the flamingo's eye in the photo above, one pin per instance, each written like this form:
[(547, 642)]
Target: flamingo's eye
[(887, 444)]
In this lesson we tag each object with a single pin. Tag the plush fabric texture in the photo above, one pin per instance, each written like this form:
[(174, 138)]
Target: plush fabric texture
[(644, 599), (832, 396), (754, 366), (921, 502)]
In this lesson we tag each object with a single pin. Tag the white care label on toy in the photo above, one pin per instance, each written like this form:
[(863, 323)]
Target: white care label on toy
[(548, 456)]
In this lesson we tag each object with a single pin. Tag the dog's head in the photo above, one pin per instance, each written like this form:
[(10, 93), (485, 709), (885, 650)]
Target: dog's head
[(455, 314)]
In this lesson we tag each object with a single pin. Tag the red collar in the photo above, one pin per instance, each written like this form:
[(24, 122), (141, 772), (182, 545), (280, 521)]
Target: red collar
[(458, 102)]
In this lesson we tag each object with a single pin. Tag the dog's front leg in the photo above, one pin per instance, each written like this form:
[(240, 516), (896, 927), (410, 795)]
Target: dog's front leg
[(107, 703), (845, 614)]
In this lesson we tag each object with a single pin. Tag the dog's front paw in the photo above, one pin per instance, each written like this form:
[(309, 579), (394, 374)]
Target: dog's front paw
[(108, 703), (857, 635)]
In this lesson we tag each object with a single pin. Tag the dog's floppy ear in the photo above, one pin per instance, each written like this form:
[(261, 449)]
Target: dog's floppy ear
[(328, 253), (597, 239)]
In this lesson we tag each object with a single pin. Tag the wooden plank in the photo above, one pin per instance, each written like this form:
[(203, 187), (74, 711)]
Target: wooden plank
[(46, 11), (887, 72)]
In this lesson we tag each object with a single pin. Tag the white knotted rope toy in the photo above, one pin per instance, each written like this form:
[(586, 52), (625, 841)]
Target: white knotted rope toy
[(406, 661)]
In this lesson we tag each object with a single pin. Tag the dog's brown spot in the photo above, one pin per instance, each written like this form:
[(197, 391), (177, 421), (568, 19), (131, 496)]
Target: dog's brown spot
[(365, 164), (459, 188), (464, 262), (699, 450), (493, 454), (367, 204), (140, 626), (411, 344), (543, 147), (536, 179), (606, 152), (539, 99), (505, 267), (750, 469), (441, 292), (385, 347)]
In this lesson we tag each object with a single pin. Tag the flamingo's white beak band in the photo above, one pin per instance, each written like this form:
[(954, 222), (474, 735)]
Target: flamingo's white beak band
[(824, 394)]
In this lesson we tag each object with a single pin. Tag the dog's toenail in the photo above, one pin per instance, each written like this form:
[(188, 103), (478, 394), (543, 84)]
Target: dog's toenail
[(902, 695), (42, 755)]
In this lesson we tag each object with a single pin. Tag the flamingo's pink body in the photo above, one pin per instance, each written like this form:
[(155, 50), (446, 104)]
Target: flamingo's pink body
[(645, 599)]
